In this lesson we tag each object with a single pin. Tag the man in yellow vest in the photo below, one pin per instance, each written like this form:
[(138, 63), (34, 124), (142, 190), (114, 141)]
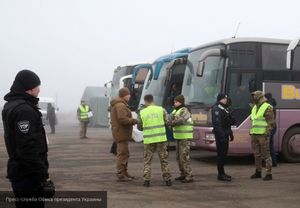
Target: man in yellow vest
[(262, 117), (83, 114), (182, 124), (152, 121)]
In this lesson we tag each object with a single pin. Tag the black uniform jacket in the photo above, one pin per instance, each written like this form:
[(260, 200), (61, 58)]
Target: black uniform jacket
[(222, 121), (25, 138)]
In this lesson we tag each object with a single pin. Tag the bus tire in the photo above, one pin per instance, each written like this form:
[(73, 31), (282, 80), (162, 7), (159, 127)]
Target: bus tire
[(291, 141)]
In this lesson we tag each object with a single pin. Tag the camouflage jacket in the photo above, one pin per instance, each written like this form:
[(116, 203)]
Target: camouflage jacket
[(175, 120)]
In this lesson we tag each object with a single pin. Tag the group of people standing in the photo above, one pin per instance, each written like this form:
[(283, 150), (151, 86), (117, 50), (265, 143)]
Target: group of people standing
[(262, 130), (152, 120)]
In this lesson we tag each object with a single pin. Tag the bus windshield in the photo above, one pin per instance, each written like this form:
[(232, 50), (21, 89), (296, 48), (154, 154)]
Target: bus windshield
[(203, 89), (155, 86)]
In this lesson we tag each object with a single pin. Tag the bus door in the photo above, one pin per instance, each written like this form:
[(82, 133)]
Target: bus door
[(138, 80), (173, 82), (240, 84), (125, 81)]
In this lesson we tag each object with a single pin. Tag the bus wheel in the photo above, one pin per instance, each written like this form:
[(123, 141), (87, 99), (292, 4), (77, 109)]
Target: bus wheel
[(291, 145)]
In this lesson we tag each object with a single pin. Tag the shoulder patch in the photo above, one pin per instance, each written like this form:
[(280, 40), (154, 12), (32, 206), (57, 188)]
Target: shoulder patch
[(24, 126), (216, 113)]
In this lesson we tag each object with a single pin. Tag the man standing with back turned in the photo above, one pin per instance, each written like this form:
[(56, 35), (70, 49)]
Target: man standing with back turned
[(26, 143), (152, 121), (121, 127)]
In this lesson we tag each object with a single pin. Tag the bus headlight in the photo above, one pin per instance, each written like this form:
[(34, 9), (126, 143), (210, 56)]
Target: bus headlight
[(209, 138)]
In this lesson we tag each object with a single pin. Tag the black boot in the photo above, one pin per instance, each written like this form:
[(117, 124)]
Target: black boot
[(268, 177), (257, 174), (228, 176), (180, 178), (223, 177), (168, 183), (146, 183)]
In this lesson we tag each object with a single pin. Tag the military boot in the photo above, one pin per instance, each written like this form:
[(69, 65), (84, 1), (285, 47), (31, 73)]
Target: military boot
[(268, 177), (257, 174), (168, 183), (146, 183), (129, 176), (123, 178), (180, 178)]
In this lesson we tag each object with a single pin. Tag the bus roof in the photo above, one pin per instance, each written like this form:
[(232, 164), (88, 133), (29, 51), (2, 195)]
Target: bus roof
[(168, 58), (172, 56), (240, 40)]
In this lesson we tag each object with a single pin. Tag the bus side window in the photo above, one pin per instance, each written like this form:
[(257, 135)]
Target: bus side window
[(240, 84)]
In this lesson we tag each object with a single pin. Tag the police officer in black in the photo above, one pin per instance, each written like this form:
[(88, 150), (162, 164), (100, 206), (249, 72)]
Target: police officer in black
[(26, 143), (222, 121)]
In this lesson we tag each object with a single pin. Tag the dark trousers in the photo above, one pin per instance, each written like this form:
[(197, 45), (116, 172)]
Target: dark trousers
[(52, 126), (222, 144), (272, 151), (29, 189)]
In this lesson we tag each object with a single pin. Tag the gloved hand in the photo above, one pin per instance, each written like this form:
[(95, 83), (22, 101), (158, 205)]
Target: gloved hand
[(231, 136), (48, 188)]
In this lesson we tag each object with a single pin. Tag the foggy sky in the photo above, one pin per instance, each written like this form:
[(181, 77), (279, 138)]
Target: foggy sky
[(72, 44)]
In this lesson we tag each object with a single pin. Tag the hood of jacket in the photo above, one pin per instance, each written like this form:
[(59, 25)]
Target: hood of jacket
[(18, 92), (117, 100)]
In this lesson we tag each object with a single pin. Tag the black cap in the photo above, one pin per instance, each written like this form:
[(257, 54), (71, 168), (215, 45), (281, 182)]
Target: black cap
[(221, 96), (25, 80)]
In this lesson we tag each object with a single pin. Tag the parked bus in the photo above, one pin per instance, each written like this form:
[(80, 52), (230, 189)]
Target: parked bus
[(237, 67), (165, 81), (166, 73), (133, 77)]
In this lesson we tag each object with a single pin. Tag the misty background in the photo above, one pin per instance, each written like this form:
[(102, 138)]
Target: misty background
[(72, 44)]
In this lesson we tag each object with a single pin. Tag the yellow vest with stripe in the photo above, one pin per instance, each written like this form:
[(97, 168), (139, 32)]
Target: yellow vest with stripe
[(84, 112), (259, 123), (154, 130), (183, 131)]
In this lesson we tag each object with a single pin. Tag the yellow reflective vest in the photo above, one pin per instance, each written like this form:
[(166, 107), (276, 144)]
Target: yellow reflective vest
[(84, 112), (259, 123), (154, 130), (183, 131)]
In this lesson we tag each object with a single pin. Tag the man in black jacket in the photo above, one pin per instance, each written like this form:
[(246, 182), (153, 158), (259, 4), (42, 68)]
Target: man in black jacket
[(222, 121), (25, 139)]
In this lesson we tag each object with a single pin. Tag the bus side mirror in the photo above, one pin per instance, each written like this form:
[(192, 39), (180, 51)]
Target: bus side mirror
[(289, 60), (205, 55), (200, 68), (290, 52)]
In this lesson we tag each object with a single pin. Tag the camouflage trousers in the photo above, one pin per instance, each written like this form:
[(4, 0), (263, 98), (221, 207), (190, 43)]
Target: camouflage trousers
[(261, 149), (183, 158), (149, 150)]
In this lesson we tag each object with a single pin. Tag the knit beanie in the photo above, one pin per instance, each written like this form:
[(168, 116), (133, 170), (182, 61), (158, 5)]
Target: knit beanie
[(25, 80), (123, 92), (180, 99)]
